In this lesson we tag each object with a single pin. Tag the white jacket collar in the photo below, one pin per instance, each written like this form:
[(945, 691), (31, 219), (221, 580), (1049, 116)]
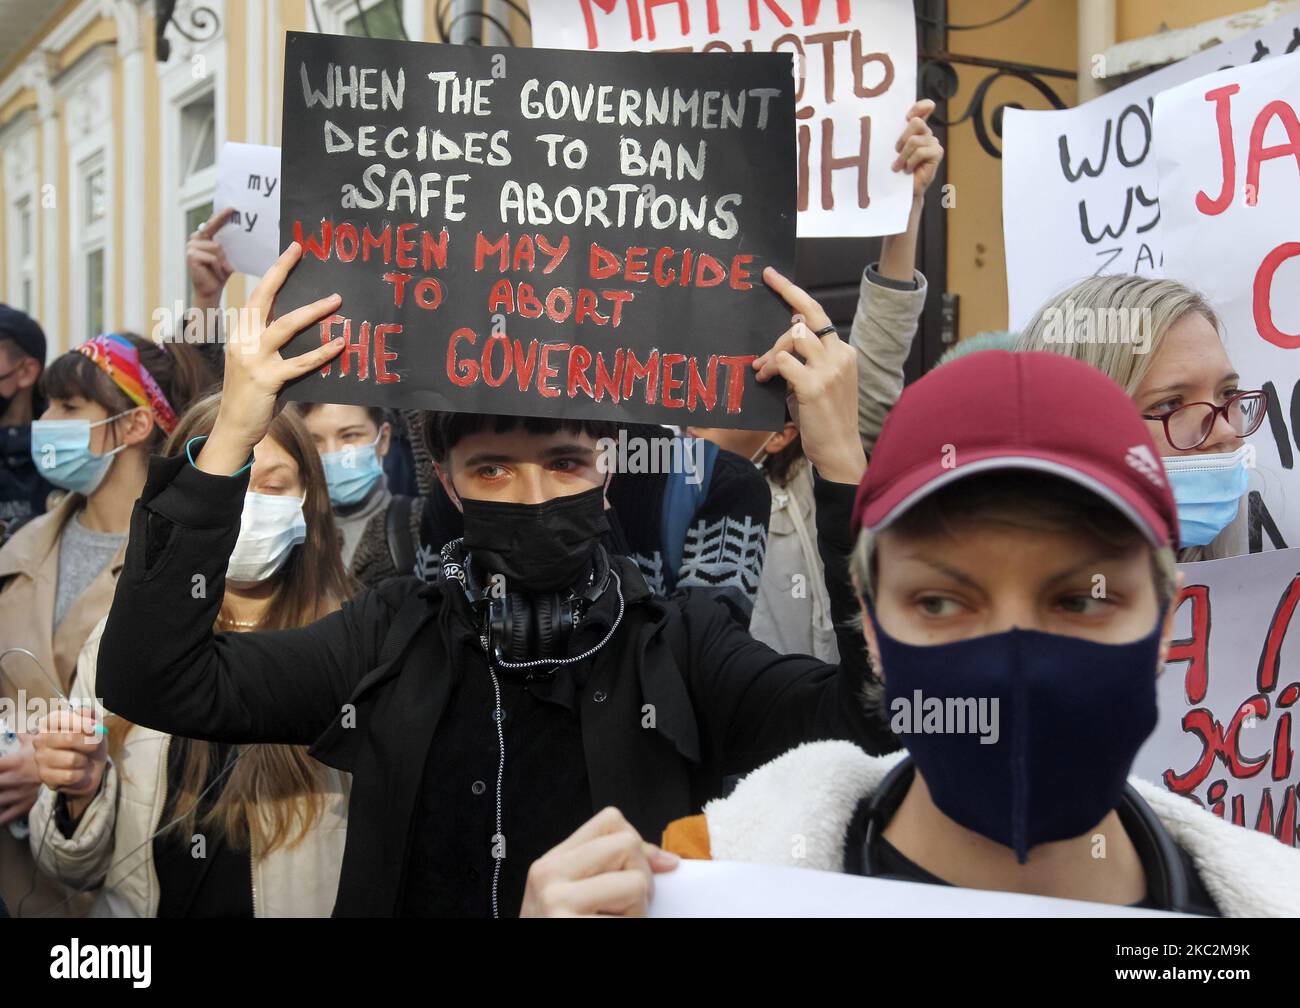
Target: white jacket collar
[(796, 811)]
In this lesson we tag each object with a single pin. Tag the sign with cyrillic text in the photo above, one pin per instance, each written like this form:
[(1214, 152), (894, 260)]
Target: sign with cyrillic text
[(1079, 187), (1228, 158), (855, 79), (1226, 736)]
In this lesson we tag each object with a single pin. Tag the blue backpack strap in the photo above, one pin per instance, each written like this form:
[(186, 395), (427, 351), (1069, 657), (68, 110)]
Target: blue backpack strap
[(682, 499)]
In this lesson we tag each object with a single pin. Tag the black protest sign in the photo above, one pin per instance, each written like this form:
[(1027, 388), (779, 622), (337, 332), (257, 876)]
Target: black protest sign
[(540, 232)]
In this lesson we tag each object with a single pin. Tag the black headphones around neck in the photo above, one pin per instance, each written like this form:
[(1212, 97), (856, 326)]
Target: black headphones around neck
[(524, 626)]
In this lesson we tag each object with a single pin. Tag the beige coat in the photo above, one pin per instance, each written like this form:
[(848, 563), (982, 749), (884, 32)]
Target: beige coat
[(111, 849), (29, 570), (792, 612)]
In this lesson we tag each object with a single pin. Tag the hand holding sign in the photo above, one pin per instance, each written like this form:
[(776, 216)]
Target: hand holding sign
[(603, 869), (255, 371), (919, 150), (822, 374), (208, 265), (529, 268)]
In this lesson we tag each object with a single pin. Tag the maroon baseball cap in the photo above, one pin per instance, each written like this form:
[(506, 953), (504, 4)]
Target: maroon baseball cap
[(995, 410)]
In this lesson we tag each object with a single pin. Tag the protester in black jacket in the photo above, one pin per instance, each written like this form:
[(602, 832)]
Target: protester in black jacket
[(702, 526), (464, 770)]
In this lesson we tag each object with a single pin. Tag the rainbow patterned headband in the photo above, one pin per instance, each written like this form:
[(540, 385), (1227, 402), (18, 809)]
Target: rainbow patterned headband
[(118, 358)]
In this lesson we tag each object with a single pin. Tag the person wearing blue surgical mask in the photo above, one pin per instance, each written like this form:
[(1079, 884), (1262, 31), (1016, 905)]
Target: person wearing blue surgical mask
[(111, 403), (1162, 343), (352, 441), (274, 819)]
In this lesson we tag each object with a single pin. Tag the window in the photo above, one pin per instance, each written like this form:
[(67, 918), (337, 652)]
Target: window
[(95, 292), (25, 228), (193, 109), (92, 243), (198, 175), (378, 20), (25, 244), (195, 216), (94, 197), (198, 135)]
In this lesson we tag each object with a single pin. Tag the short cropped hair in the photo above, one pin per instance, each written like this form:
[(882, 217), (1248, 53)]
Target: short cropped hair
[(443, 431), (377, 414)]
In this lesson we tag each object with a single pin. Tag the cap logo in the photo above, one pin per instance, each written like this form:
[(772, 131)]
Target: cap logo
[(1139, 457)]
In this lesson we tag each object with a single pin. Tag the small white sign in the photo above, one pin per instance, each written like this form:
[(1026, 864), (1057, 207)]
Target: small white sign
[(248, 179)]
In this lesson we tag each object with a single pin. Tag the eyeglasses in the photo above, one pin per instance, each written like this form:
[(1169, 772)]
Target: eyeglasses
[(1189, 425)]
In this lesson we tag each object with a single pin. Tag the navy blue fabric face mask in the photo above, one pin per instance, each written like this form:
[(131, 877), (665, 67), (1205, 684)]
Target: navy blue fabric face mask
[(1067, 718)]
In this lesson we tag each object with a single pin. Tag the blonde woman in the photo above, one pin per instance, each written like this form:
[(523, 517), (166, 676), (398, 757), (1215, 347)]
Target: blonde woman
[(1162, 343), (172, 827)]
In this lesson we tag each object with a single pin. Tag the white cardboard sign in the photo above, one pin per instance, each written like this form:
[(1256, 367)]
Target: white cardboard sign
[(248, 179), (1227, 153), (1079, 187), (1225, 737), (855, 70), (733, 889)]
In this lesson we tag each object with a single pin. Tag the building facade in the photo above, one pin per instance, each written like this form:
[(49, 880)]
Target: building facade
[(112, 113)]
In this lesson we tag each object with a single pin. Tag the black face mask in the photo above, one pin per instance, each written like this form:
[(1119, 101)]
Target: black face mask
[(536, 547)]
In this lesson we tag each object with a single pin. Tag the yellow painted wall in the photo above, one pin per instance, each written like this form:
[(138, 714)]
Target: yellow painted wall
[(5, 293), (1043, 34), (119, 224), (152, 176), (98, 32), (38, 224), (22, 100), (61, 188), (236, 86), (16, 60), (1138, 18)]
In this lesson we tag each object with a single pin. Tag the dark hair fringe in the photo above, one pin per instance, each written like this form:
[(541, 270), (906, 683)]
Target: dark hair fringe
[(446, 430), (180, 371), (378, 414)]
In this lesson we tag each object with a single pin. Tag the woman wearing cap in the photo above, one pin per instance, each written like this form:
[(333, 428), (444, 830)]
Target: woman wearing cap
[(112, 400), (1021, 694), (1161, 342)]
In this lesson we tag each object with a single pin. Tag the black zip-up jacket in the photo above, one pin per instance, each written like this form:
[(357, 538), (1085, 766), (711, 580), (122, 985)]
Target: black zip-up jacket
[(366, 686)]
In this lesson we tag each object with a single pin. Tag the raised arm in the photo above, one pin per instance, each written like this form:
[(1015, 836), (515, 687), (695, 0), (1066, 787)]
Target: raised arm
[(160, 664), (892, 293), (753, 703)]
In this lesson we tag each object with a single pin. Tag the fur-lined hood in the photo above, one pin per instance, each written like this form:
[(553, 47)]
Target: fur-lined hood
[(796, 811)]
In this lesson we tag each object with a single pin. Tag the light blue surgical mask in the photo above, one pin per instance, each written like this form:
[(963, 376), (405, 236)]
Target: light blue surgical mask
[(351, 472), (1208, 489), (61, 451)]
